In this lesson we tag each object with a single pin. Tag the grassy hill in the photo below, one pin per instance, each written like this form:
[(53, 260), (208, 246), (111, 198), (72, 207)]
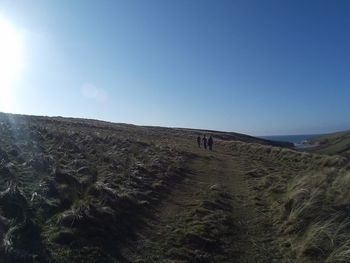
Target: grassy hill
[(334, 143), (75, 190)]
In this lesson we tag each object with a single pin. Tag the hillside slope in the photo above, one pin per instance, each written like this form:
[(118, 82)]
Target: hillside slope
[(334, 143), (74, 190)]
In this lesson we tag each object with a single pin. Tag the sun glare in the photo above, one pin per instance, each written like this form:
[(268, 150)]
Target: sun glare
[(10, 59)]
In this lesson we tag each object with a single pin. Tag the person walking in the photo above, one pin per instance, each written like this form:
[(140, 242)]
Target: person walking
[(210, 143), (199, 141), (205, 142)]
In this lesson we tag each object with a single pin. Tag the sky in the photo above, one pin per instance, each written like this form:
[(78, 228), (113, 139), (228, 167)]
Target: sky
[(250, 66)]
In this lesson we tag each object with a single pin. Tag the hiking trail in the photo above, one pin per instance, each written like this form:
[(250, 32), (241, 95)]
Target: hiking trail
[(212, 215)]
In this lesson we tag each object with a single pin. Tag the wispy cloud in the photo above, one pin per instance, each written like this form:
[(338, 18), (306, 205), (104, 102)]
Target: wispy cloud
[(90, 91)]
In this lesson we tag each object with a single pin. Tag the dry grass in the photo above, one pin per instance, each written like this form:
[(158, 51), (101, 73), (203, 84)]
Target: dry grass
[(317, 223), (109, 178), (309, 160), (323, 237), (340, 254), (312, 209)]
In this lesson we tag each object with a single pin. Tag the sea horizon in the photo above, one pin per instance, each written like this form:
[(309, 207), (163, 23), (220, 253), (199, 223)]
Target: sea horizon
[(297, 140)]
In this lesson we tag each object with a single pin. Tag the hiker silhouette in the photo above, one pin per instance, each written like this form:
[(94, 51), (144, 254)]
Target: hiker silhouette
[(199, 141), (205, 142), (210, 143)]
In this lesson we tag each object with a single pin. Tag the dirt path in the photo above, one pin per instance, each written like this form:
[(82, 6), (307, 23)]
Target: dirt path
[(211, 216), (253, 241)]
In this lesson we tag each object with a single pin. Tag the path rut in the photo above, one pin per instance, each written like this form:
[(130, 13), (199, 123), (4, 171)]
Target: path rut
[(211, 216)]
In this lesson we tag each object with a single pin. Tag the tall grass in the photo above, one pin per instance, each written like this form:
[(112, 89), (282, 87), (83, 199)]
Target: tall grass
[(311, 212), (323, 238), (304, 159), (340, 254)]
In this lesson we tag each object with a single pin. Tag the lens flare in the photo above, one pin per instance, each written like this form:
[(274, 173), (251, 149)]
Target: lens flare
[(10, 59)]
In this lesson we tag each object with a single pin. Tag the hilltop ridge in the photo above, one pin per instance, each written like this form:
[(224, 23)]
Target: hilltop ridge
[(139, 129)]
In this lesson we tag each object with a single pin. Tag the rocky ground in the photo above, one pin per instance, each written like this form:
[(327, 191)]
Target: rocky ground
[(75, 190)]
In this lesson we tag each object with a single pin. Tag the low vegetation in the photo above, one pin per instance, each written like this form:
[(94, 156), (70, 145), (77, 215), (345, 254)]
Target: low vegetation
[(334, 143), (74, 190), (308, 202)]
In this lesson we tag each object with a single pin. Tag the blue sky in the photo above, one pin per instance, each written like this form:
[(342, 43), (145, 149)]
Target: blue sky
[(256, 67)]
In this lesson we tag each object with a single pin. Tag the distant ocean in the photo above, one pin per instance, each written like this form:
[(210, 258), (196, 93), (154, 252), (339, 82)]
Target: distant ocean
[(296, 139)]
